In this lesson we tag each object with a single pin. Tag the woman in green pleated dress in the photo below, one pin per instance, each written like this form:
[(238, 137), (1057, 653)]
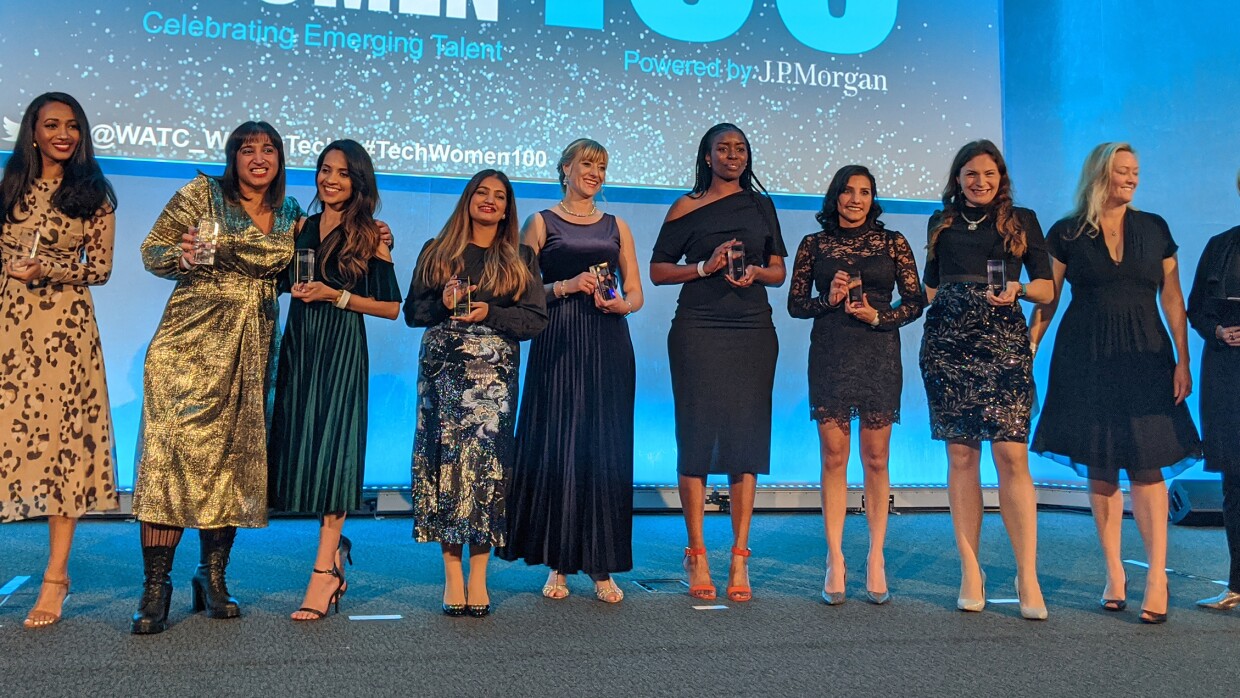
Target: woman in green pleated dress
[(317, 449)]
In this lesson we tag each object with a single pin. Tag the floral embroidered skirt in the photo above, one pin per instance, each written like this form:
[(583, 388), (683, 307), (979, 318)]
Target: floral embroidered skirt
[(463, 447), (977, 368)]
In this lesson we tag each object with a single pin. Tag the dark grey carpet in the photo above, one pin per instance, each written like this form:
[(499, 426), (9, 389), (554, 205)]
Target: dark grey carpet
[(785, 642)]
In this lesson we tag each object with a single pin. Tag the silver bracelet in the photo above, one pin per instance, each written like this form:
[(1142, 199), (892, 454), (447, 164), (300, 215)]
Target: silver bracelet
[(701, 269)]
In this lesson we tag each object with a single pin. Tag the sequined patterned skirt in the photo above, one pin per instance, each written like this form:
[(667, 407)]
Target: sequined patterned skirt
[(463, 447), (977, 368)]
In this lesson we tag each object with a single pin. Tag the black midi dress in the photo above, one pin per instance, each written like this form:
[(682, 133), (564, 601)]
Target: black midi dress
[(1110, 402), (722, 346)]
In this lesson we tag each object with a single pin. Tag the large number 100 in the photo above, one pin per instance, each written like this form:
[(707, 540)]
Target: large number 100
[(862, 26)]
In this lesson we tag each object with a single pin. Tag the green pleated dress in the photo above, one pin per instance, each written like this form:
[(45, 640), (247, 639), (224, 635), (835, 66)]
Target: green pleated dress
[(317, 448)]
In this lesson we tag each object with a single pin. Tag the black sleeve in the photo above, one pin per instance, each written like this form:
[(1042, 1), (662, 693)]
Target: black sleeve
[(1167, 243), (528, 316), (802, 303), (1036, 260), (912, 298), (1055, 244), (1202, 314), (670, 245), (424, 306), (775, 237)]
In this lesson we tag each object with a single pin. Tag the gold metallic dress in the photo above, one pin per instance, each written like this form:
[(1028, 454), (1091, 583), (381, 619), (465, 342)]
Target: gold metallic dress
[(56, 443), (202, 449)]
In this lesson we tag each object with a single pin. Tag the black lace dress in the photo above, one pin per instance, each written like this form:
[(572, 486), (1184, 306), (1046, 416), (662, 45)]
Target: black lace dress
[(854, 368)]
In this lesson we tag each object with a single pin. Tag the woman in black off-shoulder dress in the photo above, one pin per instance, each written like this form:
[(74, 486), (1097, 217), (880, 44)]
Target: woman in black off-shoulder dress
[(722, 346)]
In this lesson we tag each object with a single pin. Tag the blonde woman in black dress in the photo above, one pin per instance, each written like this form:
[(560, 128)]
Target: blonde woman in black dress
[(722, 345), (1115, 398)]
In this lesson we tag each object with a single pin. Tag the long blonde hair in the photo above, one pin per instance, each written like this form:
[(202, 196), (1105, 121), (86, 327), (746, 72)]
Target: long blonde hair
[(1091, 190), (505, 274)]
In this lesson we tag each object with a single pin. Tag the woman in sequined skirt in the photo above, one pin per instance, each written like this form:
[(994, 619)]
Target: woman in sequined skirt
[(976, 360), (478, 292)]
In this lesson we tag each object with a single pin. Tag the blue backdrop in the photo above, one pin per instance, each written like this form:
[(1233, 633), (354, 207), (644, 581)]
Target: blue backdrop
[(1074, 74)]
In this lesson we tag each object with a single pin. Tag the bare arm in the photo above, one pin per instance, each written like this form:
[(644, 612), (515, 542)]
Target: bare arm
[(1171, 297), (1044, 311), (630, 270)]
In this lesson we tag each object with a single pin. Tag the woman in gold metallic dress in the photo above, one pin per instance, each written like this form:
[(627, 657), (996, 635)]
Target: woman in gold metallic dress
[(202, 453)]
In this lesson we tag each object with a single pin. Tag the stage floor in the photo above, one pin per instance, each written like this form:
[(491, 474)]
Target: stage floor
[(784, 642)]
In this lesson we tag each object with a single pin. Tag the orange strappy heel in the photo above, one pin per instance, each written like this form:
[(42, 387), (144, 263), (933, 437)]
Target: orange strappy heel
[(741, 593), (705, 592)]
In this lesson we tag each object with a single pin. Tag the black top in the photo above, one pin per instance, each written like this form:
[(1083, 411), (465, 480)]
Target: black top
[(884, 259), (750, 218), (1217, 280), (379, 282), (521, 319), (960, 254), (1147, 242)]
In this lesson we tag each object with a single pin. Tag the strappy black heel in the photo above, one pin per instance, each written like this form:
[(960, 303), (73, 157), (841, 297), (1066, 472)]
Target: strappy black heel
[(333, 603)]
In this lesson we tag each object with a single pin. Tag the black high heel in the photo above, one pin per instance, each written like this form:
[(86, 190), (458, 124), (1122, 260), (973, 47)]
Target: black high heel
[(333, 602), (345, 550), (1153, 618), (1116, 605)]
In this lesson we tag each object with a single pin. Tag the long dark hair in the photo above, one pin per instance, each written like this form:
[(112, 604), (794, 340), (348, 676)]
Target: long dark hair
[(703, 174), (953, 199), (829, 216), (230, 181), (504, 272), (84, 192), (361, 233)]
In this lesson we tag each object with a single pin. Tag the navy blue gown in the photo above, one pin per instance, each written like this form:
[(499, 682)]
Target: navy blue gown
[(570, 502)]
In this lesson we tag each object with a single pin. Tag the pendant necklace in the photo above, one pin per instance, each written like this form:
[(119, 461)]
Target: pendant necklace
[(593, 210), (973, 224)]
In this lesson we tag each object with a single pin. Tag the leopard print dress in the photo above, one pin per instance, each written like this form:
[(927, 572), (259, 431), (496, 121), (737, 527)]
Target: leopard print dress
[(56, 443)]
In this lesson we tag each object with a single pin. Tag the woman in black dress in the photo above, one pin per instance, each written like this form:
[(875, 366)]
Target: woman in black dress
[(1115, 398), (976, 361), (317, 448), (478, 292), (722, 345), (571, 500), (854, 357), (1214, 311)]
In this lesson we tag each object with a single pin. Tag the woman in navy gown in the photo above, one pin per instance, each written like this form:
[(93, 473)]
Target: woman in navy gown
[(571, 499)]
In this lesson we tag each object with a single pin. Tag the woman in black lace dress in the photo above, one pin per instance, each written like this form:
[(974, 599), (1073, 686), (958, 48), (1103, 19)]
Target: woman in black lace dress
[(977, 364), (854, 356)]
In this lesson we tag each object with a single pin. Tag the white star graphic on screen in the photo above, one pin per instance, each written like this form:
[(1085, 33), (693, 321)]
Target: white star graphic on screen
[(10, 129)]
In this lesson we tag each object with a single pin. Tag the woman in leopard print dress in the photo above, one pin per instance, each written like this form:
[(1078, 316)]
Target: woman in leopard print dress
[(56, 236)]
